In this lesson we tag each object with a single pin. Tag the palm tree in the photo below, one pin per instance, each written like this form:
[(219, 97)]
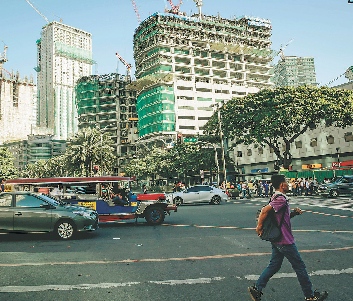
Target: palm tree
[(88, 148)]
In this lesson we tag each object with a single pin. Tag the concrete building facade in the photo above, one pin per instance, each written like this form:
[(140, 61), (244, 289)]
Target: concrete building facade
[(35, 148), (294, 71), (185, 66), (18, 106), (64, 55), (106, 102)]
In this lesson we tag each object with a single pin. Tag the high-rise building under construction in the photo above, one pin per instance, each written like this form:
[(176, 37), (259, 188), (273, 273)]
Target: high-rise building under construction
[(64, 55), (187, 65), (294, 71)]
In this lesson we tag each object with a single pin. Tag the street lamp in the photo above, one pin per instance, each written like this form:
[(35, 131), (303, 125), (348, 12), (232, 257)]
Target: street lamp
[(221, 136)]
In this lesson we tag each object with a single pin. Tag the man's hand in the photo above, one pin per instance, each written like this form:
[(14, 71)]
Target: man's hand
[(259, 230), (297, 211)]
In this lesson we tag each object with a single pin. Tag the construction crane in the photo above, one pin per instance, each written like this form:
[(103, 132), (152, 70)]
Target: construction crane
[(136, 11), (3, 59), (44, 17), (281, 50), (199, 6), (175, 8), (127, 65)]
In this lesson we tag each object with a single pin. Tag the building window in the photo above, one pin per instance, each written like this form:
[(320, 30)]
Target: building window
[(330, 139), (261, 150), (348, 137), (313, 142), (249, 152), (239, 154), (298, 144)]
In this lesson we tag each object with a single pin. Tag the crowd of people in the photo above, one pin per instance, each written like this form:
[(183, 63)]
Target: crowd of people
[(263, 188)]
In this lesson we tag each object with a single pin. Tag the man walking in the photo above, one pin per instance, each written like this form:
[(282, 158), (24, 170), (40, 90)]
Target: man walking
[(285, 247)]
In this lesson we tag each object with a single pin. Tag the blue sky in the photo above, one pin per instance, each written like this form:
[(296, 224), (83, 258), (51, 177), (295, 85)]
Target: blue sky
[(318, 28)]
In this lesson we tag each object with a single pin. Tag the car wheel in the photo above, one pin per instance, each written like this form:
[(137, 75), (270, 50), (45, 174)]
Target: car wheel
[(333, 193), (216, 200), (178, 201), (154, 215), (65, 229)]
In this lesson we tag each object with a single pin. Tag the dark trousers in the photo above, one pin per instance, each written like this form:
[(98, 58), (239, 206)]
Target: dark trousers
[(291, 253)]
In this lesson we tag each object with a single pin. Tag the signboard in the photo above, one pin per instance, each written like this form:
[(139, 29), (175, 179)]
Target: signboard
[(92, 205), (312, 166), (190, 139)]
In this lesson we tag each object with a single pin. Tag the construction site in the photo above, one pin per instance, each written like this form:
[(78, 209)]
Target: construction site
[(18, 103), (187, 65), (105, 102)]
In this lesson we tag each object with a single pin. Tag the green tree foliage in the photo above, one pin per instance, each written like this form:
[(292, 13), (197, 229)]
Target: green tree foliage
[(7, 166), (54, 167), (88, 148), (178, 161), (278, 116)]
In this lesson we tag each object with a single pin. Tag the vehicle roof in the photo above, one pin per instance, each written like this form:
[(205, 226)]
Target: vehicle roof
[(67, 180)]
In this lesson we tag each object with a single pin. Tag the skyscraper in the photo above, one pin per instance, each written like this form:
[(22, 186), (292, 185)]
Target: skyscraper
[(187, 65), (64, 55), (294, 71)]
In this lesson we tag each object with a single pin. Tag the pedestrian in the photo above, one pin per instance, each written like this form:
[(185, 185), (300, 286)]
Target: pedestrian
[(2, 185), (285, 247)]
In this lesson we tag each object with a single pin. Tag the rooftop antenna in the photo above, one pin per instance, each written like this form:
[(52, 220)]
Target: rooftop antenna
[(44, 17)]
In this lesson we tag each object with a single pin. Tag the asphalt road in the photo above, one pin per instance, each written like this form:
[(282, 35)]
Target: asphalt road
[(202, 252)]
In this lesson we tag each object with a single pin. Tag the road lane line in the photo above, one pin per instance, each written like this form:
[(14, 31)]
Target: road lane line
[(294, 275), (125, 261), (172, 282)]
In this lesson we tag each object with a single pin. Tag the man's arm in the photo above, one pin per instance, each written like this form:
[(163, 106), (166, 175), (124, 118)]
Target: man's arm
[(263, 214), (296, 211)]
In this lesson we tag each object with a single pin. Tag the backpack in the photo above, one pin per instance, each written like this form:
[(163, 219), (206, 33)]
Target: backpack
[(271, 230)]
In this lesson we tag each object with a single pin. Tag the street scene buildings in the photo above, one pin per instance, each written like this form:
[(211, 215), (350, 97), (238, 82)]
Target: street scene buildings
[(187, 66)]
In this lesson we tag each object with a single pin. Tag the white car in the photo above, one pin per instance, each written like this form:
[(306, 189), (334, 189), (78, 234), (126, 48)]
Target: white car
[(199, 193)]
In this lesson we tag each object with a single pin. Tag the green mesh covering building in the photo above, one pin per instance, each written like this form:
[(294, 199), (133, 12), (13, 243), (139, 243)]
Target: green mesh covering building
[(187, 64), (106, 102)]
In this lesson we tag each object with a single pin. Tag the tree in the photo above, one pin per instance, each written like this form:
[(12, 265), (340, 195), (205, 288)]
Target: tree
[(276, 117), (87, 148), (179, 161), (7, 165)]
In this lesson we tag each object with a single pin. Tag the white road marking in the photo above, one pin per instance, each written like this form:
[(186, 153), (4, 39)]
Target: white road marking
[(87, 286), (294, 275)]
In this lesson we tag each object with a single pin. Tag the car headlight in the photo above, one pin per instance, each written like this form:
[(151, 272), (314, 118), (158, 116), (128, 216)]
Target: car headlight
[(82, 213)]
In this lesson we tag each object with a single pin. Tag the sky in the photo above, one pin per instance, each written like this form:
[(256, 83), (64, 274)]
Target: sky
[(313, 28)]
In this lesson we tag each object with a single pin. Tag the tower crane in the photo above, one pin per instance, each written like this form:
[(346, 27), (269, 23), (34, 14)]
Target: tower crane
[(127, 65), (3, 58), (199, 6), (281, 50), (44, 17), (175, 8), (136, 11)]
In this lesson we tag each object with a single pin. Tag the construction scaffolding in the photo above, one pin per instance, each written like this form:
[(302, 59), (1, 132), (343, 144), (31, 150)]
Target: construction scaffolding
[(198, 59), (105, 101)]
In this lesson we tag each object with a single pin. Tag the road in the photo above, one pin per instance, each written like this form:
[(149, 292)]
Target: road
[(202, 252)]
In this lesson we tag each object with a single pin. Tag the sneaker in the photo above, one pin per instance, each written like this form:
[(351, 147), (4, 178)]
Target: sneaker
[(317, 296), (255, 293)]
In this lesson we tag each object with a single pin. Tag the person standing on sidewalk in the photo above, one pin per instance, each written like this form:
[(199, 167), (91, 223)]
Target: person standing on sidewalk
[(285, 247)]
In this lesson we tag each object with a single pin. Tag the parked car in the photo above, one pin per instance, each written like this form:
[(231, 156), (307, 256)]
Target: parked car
[(199, 193), (34, 212), (341, 186)]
